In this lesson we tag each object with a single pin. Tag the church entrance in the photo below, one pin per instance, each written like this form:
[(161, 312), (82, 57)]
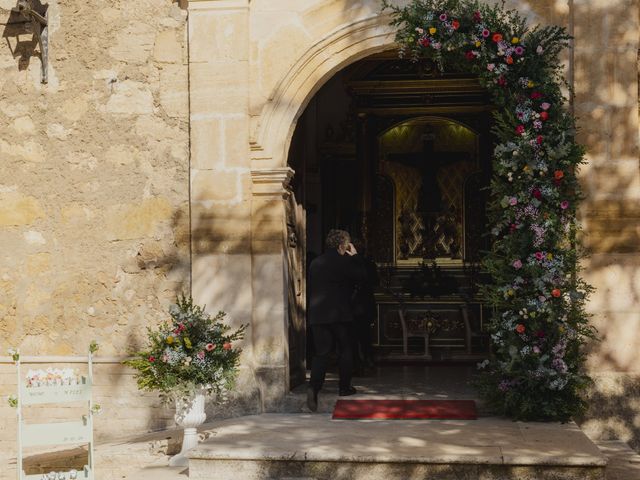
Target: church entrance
[(398, 154)]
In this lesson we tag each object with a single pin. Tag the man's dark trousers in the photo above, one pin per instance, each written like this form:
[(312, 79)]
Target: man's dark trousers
[(325, 336)]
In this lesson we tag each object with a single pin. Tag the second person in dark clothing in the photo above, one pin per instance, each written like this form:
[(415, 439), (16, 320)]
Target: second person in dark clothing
[(332, 278)]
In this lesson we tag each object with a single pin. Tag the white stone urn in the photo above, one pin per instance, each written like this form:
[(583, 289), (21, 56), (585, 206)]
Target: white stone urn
[(189, 414)]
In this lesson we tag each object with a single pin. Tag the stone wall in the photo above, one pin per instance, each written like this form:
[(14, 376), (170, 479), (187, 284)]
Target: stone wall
[(147, 167), (94, 189)]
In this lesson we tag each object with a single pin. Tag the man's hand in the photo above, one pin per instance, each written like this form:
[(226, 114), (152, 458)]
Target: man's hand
[(351, 250)]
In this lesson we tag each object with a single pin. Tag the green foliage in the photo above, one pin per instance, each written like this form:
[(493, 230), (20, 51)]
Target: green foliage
[(191, 351), (539, 324)]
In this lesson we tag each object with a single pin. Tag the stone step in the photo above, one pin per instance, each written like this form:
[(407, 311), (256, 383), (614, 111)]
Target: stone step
[(314, 447)]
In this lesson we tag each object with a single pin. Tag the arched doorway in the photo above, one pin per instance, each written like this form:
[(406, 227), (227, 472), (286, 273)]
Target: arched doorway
[(398, 154)]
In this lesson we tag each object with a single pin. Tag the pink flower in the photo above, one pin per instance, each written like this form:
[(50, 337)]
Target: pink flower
[(443, 17), (519, 50), (477, 17), (520, 129), (152, 359), (539, 50), (491, 66), (436, 45), (210, 346), (564, 205), (536, 349), (513, 201), (545, 106), (486, 33), (539, 255), (200, 354), (517, 264), (227, 346)]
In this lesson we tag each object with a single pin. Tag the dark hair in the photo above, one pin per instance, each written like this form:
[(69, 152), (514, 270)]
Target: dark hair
[(336, 237)]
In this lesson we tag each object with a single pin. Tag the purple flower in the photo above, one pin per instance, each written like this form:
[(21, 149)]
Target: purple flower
[(443, 17), (545, 106), (519, 50), (513, 201), (564, 205), (517, 264), (486, 33), (491, 66)]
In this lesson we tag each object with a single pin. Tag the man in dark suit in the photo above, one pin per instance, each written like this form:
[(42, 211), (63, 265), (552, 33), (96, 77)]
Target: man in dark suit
[(332, 277)]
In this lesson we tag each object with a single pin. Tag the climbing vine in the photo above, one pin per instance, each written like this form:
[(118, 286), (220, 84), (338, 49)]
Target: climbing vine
[(539, 325)]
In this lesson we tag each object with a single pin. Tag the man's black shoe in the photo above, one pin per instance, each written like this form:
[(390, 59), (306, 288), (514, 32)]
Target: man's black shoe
[(312, 399), (347, 391)]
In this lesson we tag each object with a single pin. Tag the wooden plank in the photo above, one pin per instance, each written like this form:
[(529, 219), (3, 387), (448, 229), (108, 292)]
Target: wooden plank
[(63, 433), (56, 393)]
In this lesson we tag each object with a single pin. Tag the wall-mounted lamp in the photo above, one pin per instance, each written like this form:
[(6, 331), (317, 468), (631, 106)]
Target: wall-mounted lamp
[(38, 16)]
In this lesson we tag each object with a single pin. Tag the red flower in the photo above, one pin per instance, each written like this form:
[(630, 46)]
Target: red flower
[(470, 55), (540, 334), (477, 17), (227, 345), (455, 24), (512, 228), (210, 346), (509, 60), (536, 193), (152, 359), (497, 37), (539, 139), (556, 292), (558, 174), (502, 81), (520, 328), (520, 129), (425, 42), (544, 115), (536, 95)]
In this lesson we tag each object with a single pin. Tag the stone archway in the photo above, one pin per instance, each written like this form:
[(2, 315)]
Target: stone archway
[(271, 175), (277, 122)]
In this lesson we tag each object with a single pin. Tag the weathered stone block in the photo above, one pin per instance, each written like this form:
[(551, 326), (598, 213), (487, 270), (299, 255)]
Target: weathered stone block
[(216, 185), (207, 143), (17, 209), (130, 98), (222, 36), (134, 43), (174, 93), (137, 221), (219, 87), (168, 47)]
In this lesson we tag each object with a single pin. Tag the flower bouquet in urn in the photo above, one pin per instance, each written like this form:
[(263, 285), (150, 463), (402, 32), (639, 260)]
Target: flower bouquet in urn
[(190, 353)]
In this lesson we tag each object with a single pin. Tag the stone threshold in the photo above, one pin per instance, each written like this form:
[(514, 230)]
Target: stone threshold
[(271, 446)]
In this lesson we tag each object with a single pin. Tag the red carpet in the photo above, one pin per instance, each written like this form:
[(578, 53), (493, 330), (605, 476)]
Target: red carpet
[(406, 409)]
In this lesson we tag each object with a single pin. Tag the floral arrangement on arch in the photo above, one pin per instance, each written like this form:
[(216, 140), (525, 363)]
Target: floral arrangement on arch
[(539, 324), (189, 353)]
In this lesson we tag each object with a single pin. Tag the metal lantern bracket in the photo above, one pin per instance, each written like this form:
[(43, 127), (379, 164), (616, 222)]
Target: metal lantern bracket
[(37, 15)]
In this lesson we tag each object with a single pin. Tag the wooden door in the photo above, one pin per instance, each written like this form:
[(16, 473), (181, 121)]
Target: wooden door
[(296, 279)]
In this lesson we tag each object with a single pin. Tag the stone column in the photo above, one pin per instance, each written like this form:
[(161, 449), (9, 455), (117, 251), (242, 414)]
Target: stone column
[(269, 321), (220, 164)]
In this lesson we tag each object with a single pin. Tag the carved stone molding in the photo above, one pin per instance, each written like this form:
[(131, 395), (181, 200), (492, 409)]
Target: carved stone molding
[(271, 182)]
